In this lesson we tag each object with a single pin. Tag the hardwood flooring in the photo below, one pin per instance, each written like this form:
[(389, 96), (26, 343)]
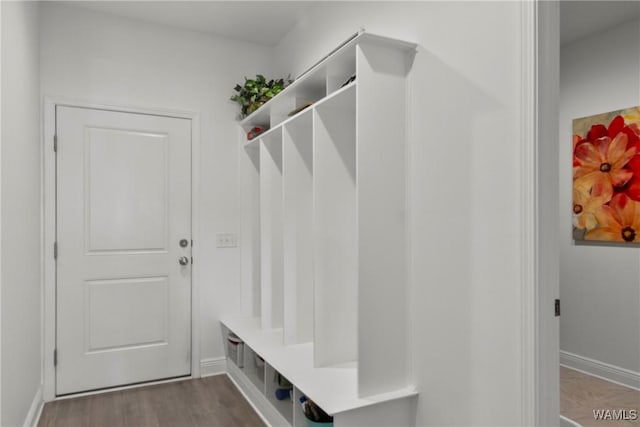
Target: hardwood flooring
[(215, 401), (210, 401), (581, 394)]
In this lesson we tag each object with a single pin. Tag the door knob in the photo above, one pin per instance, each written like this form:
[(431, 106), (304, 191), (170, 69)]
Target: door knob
[(184, 243), (183, 260)]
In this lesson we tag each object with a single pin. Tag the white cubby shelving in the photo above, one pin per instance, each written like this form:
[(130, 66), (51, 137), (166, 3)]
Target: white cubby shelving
[(324, 244)]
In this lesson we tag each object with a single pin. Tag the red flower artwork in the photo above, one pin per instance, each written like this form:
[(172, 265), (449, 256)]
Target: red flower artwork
[(606, 176)]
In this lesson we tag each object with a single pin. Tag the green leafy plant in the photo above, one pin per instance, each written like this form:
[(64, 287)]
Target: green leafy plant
[(255, 92)]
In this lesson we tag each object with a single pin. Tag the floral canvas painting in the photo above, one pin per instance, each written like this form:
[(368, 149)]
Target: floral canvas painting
[(606, 177)]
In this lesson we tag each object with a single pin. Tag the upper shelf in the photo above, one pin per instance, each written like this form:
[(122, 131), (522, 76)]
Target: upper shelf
[(346, 92), (326, 77)]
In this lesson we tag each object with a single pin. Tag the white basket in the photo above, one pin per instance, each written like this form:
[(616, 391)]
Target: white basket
[(235, 348)]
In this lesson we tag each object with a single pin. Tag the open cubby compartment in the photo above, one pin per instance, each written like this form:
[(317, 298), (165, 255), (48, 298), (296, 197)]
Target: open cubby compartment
[(298, 94), (294, 100), (271, 222), (253, 370), (382, 207), (340, 68), (283, 406), (297, 151), (259, 118), (249, 176), (225, 339), (299, 419), (335, 238)]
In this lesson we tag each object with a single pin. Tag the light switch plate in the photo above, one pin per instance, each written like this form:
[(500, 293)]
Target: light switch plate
[(226, 240)]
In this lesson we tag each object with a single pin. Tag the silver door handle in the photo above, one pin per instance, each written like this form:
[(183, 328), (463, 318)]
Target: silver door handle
[(183, 260)]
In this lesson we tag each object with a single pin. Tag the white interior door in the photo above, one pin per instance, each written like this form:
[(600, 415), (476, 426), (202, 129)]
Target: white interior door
[(123, 206)]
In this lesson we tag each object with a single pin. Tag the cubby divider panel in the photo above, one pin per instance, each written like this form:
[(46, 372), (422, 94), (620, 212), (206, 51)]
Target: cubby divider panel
[(382, 220), (271, 214), (335, 238), (249, 171), (298, 229)]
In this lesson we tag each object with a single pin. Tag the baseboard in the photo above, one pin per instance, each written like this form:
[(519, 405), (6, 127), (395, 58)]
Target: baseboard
[(601, 370), (33, 416), (214, 366), (255, 397), (567, 422)]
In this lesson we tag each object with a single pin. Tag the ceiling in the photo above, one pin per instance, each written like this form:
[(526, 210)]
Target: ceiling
[(266, 22), (262, 22), (579, 19)]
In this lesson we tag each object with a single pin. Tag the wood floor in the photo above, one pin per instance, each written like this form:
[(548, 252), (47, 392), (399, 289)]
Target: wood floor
[(215, 401), (210, 401), (581, 394)]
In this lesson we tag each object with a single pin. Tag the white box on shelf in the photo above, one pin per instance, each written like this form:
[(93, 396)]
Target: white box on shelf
[(235, 348)]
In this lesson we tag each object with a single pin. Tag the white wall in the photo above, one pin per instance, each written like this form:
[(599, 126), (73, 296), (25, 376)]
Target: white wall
[(111, 60), (21, 320), (465, 156), (599, 285)]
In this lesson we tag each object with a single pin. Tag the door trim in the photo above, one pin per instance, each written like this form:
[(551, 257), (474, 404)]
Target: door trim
[(538, 213), (48, 216)]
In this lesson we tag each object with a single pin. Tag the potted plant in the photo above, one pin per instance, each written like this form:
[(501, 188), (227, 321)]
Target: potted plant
[(255, 92)]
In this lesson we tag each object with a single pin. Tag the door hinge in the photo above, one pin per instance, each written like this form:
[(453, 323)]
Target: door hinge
[(55, 250), (55, 357), (557, 307), (55, 143)]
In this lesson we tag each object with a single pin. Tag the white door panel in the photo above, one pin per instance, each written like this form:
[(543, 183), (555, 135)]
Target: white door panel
[(123, 205), (114, 305), (126, 204)]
